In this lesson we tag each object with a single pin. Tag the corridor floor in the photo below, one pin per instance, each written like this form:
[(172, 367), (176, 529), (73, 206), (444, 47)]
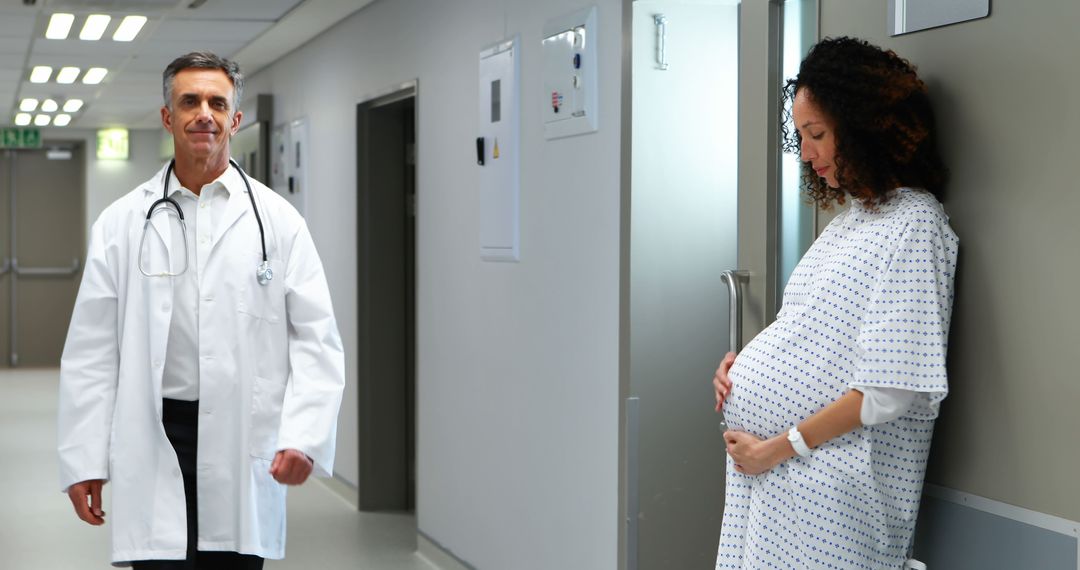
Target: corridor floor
[(39, 530)]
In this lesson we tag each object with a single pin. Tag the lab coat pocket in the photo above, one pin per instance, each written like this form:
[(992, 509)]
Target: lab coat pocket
[(263, 301), (267, 396)]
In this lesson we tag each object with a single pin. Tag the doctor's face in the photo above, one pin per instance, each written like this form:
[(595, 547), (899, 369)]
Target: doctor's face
[(818, 137), (200, 114)]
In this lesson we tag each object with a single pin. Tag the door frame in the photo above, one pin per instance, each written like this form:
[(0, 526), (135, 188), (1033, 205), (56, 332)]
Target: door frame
[(383, 491)]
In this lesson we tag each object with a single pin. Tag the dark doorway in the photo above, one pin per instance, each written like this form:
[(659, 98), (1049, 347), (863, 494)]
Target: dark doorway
[(386, 246)]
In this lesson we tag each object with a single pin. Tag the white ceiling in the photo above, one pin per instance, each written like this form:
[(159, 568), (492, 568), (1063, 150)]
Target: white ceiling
[(130, 96)]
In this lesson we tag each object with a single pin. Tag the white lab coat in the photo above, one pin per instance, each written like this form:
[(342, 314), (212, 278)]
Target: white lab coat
[(271, 376)]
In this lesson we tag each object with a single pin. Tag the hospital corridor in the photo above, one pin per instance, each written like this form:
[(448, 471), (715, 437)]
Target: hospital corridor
[(539, 284)]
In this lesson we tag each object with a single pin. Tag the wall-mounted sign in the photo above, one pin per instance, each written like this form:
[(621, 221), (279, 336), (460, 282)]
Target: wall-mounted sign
[(112, 144), (18, 137)]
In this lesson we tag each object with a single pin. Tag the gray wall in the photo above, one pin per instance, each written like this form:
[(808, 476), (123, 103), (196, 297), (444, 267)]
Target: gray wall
[(517, 363), (1005, 89)]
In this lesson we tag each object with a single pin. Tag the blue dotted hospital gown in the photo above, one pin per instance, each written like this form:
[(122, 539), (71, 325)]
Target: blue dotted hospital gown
[(868, 305)]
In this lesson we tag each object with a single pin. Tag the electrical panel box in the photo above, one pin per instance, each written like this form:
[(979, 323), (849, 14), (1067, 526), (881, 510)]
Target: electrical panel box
[(498, 150), (288, 166), (570, 74)]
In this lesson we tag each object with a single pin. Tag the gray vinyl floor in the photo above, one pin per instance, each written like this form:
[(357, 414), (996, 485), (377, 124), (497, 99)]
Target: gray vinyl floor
[(39, 530)]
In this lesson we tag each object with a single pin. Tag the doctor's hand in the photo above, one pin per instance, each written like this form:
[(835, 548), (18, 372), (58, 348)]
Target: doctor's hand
[(721, 383), (291, 467), (753, 455), (86, 498)]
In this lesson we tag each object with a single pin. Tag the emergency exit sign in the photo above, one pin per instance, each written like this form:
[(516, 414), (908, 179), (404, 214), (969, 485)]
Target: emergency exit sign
[(15, 137)]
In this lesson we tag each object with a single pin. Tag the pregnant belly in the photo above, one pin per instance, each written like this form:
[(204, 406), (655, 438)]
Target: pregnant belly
[(763, 400)]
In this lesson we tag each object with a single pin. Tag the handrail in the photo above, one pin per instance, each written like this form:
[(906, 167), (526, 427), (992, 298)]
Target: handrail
[(45, 271), (731, 278)]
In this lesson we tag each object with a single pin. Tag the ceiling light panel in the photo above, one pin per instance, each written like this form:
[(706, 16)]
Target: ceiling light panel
[(49, 106), (59, 26), (94, 27), (62, 120), (73, 105), (129, 28), (94, 75), (67, 75), (42, 120), (40, 74), (22, 119), (28, 105)]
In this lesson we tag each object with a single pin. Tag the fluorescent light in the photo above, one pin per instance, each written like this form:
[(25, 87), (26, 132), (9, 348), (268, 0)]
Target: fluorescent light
[(40, 74), (29, 104), (67, 75), (94, 27), (49, 106), (42, 120), (73, 105), (129, 28), (62, 120), (22, 119), (94, 75), (59, 26)]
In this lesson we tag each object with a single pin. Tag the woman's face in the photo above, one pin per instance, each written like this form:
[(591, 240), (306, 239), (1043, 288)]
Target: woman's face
[(818, 136)]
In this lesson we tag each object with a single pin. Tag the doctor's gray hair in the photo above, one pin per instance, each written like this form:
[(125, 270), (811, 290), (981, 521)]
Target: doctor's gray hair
[(203, 60)]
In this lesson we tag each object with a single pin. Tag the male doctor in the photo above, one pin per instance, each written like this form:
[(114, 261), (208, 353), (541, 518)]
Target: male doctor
[(197, 388)]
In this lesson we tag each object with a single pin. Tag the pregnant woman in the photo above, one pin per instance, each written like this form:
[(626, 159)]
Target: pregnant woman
[(831, 408)]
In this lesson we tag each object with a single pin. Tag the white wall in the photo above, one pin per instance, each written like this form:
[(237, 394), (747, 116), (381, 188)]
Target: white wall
[(517, 363)]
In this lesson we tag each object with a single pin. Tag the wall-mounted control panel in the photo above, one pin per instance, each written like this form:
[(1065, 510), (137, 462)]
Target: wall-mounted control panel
[(497, 150), (570, 74)]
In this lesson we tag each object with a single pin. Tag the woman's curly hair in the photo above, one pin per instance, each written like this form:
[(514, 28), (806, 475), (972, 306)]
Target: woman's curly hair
[(882, 120)]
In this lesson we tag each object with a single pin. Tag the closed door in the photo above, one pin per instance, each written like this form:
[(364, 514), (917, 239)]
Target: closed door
[(707, 194), (43, 242)]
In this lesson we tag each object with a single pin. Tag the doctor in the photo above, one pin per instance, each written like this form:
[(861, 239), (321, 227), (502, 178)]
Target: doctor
[(200, 391)]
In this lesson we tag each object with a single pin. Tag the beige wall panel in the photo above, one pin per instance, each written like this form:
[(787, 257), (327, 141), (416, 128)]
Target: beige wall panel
[(1005, 90)]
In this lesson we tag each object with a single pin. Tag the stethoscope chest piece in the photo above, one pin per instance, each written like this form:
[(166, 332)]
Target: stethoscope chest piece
[(263, 273)]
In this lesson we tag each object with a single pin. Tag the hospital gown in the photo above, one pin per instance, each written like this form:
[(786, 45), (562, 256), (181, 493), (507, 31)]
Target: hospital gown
[(868, 305)]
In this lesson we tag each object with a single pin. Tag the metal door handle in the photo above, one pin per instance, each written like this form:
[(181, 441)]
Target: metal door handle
[(45, 271), (661, 40), (5, 267), (732, 278)]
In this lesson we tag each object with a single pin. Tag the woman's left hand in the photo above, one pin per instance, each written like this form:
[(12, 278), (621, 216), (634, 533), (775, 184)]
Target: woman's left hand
[(753, 455)]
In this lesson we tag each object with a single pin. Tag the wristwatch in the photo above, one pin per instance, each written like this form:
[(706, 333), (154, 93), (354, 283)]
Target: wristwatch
[(797, 442)]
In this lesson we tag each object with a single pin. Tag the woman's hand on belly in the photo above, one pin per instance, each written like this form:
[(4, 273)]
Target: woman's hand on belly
[(721, 382), (753, 455)]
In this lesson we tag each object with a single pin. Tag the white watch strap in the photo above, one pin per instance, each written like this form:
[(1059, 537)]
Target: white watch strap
[(798, 442)]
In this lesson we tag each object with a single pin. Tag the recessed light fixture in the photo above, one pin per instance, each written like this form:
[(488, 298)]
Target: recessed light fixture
[(94, 27), (129, 28), (42, 120), (49, 106), (59, 26), (40, 74), (62, 120), (22, 119), (94, 75), (67, 75), (28, 105), (73, 105)]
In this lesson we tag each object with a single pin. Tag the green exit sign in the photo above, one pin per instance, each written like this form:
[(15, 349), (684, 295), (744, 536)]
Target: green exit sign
[(16, 137)]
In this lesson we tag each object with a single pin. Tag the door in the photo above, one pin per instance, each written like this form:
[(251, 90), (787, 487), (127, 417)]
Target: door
[(386, 246), (40, 251), (706, 195), (684, 184)]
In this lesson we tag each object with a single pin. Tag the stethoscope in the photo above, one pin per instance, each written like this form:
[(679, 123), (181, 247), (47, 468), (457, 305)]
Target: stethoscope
[(263, 273)]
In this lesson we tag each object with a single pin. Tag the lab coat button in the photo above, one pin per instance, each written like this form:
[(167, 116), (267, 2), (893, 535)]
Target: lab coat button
[(177, 473)]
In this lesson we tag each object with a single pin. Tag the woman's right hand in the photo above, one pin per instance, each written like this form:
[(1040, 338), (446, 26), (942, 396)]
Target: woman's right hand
[(721, 382)]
